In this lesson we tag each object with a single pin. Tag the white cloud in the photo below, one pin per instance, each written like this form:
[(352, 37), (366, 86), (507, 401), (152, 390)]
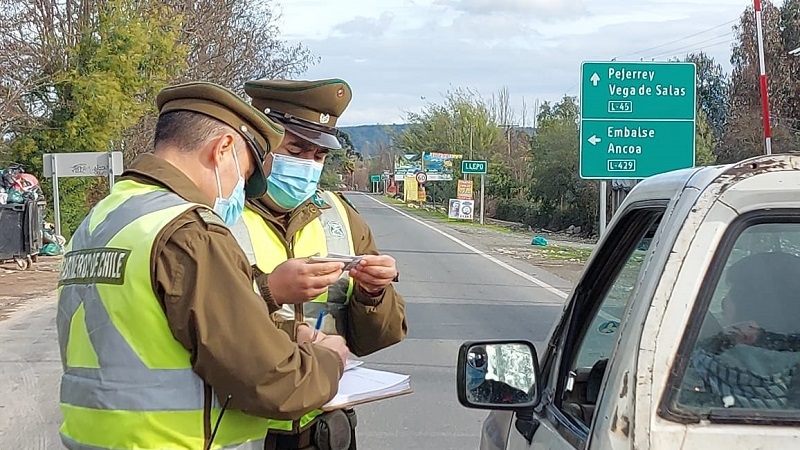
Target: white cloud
[(365, 27), (394, 52), (541, 9)]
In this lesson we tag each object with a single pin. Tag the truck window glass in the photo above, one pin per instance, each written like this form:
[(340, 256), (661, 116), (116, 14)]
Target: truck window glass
[(747, 353), (599, 329)]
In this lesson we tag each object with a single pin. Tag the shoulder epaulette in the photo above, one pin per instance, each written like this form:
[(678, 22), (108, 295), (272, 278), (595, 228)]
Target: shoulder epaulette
[(210, 217), (317, 200), (346, 200)]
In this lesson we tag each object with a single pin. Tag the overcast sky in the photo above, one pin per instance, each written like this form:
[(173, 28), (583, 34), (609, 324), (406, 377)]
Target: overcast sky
[(399, 55)]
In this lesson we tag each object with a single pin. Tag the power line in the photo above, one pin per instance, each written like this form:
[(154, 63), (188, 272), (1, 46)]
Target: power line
[(673, 42), (692, 45), (673, 52), (680, 39)]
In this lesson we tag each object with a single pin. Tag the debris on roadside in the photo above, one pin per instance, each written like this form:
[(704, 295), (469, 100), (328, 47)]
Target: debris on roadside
[(539, 241), (24, 235)]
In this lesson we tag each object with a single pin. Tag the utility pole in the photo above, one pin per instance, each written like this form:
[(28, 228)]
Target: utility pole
[(470, 139), (763, 79), (509, 140)]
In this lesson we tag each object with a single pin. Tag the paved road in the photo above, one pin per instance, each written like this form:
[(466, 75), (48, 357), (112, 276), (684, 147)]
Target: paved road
[(452, 293)]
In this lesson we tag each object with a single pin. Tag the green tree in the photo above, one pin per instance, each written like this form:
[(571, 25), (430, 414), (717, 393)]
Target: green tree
[(713, 87), (463, 125), (704, 141), (562, 197), (741, 138), (340, 164), (123, 54)]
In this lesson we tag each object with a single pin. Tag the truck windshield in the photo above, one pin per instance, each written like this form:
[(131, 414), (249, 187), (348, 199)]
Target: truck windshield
[(747, 353)]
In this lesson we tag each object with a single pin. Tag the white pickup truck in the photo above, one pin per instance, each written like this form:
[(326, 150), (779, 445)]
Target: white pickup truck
[(682, 333)]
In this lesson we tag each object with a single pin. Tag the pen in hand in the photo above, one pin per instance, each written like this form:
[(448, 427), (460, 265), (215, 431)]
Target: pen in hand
[(318, 325)]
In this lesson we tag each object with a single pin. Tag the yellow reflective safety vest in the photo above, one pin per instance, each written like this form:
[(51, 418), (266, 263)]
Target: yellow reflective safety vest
[(329, 233), (127, 382)]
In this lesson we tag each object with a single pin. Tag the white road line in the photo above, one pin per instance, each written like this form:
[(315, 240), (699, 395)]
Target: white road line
[(458, 241)]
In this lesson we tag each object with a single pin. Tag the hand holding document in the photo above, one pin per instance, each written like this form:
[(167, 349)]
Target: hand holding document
[(349, 261)]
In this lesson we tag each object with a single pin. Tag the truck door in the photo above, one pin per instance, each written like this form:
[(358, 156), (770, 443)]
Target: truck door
[(584, 340)]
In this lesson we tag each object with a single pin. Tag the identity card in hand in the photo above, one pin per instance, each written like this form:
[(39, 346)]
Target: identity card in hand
[(349, 261)]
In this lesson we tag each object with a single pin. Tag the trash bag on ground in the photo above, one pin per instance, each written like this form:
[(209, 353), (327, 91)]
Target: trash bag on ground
[(51, 249), (539, 240)]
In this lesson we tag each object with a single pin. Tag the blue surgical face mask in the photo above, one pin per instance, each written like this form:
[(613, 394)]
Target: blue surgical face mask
[(230, 209), (292, 180)]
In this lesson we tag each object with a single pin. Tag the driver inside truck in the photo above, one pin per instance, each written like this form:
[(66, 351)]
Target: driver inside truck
[(754, 362)]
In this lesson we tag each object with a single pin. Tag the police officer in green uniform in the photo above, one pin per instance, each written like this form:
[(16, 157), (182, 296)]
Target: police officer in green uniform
[(160, 331), (295, 219)]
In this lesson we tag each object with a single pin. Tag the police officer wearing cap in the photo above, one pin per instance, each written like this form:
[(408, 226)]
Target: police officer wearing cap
[(160, 331), (295, 220)]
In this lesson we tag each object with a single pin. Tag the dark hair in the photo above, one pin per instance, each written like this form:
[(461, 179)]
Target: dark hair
[(186, 130)]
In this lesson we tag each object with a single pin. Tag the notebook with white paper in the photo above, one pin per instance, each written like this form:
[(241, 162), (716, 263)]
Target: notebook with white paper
[(352, 364), (362, 385)]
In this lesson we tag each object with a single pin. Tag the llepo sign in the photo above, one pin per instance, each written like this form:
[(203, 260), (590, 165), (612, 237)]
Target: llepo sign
[(478, 167)]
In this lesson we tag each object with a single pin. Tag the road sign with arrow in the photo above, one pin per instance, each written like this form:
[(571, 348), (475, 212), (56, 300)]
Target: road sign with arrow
[(637, 118)]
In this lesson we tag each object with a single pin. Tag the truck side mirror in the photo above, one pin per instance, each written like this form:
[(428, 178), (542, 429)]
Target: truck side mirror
[(498, 375)]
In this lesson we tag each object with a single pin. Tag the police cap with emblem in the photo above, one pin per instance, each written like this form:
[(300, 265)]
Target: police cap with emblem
[(308, 109), (261, 134)]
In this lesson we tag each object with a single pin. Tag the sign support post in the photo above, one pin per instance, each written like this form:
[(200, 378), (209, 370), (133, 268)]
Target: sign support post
[(477, 168), (483, 197), (603, 207), (56, 202)]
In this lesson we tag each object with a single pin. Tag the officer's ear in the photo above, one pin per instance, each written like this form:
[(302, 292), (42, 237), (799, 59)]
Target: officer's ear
[(222, 147)]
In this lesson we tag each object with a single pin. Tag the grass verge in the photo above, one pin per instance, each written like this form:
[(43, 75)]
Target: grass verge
[(564, 253), (557, 252), (422, 212)]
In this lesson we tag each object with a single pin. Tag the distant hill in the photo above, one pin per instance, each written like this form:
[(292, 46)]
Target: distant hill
[(367, 138)]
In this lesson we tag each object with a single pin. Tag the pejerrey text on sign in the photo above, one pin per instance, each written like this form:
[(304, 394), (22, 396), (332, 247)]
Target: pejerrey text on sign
[(626, 74)]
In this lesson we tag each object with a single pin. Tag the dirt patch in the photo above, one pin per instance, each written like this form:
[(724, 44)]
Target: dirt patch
[(19, 286), (569, 270)]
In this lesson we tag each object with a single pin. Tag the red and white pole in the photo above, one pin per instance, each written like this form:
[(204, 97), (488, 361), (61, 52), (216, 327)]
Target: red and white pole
[(763, 79)]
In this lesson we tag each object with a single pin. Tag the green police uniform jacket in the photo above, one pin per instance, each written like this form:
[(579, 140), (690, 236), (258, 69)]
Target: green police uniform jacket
[(368, 323), (151, 344)]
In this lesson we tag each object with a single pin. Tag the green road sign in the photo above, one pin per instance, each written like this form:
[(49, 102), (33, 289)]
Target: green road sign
[(375, 178), (637, 118), (477, 167)]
